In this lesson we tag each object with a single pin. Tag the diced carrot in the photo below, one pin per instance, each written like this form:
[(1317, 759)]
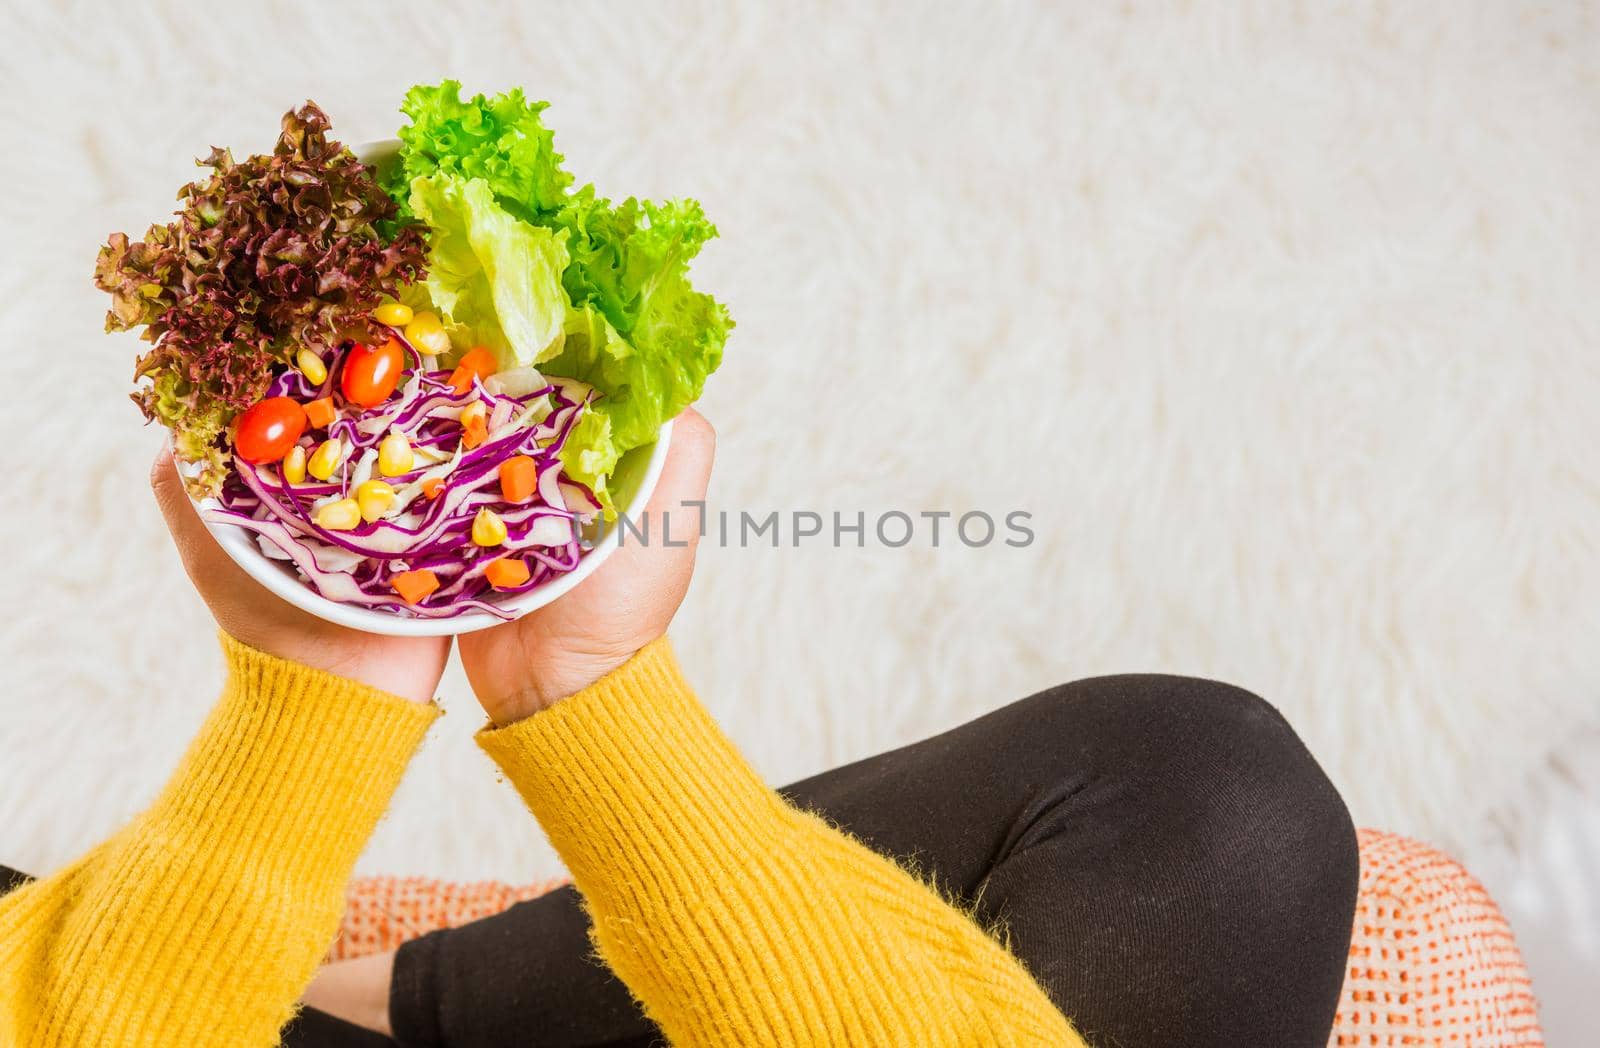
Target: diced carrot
[(432, 486), (519, 478), (321, 412), (480, 361), (415, 585), (506, 572), (475, 432)]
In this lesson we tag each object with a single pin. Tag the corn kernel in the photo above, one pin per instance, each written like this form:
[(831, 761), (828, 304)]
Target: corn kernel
[(339, 516), (311, 366), (474, 424), (325, 460), (427, 333), (294, 465), (395, 456), (394, 314), (487, 528), (374, 497)]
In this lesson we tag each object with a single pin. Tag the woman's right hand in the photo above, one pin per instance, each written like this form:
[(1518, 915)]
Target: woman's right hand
[(406, 666), (525, 666)]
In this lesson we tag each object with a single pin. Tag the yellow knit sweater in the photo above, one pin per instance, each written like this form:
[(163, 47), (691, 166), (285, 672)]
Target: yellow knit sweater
[(734, 918)]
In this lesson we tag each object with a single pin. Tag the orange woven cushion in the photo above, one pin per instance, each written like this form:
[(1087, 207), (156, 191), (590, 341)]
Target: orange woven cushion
[(1432, 960), (383, 912)]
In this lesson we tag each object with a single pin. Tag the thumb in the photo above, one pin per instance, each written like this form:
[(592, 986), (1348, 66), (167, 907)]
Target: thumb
[(687, 471), (209, 568)]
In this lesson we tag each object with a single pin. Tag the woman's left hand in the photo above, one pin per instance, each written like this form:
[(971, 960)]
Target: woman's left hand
[(406, 666), (522, 667)]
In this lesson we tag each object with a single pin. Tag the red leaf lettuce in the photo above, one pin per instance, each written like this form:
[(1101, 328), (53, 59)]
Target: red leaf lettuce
[(266, 255)]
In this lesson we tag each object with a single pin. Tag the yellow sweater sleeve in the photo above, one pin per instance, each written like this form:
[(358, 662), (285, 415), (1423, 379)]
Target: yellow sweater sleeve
[(735, 918), (201, 921)]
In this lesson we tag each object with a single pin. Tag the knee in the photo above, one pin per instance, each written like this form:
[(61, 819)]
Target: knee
[(1209, 761), (1210, 820)]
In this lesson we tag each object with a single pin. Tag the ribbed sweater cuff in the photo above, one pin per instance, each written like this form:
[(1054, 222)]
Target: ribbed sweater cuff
[(632, 774), (294, 765)]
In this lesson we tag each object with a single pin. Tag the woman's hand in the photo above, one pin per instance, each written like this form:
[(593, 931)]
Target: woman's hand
[(527, 665), (406, 666)]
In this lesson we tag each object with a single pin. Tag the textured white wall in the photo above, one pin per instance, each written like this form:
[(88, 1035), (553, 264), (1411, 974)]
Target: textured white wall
[(1282, 323)]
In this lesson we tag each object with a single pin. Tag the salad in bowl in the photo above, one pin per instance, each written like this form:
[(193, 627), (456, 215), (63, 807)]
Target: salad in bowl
[(409, 385)]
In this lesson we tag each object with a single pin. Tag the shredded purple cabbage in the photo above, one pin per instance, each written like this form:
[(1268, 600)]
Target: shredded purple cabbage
[(358, 566)]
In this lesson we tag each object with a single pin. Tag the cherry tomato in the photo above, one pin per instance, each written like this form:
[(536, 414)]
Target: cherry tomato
[(268, 429), (371, 372)]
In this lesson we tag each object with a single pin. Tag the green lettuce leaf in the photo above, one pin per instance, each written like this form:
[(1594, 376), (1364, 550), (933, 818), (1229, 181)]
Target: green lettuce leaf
[(589, 456), (635, 329), (494, 279), (644, 337), (620, 252), (501, 140)]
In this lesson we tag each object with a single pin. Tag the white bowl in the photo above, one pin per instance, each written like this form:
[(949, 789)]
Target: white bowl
[(631, 485)]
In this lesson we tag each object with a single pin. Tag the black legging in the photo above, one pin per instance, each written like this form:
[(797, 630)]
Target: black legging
[(1163, 854)]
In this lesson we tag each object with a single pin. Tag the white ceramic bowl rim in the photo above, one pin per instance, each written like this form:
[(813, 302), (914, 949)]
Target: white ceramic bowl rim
[(281, 579)]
